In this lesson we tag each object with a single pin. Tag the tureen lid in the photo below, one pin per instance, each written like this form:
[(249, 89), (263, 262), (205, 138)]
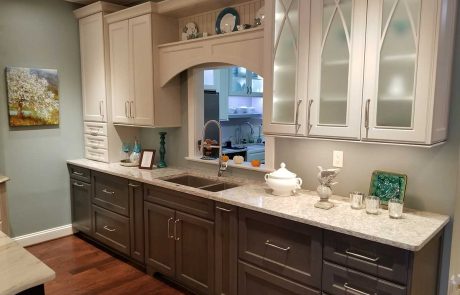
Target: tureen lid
[(282, 173)]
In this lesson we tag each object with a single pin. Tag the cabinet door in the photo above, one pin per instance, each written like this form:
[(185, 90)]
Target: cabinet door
[(159, 238), (226, 235), (195, 252), (136, 208), (119, 69), (399, 62), (141, 68), (256, 84), (284, 98), (93, 67), (337, 44), (80, 193), (238, 81)]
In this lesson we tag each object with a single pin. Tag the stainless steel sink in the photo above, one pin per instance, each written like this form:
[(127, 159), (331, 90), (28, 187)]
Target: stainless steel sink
[(206, 184)]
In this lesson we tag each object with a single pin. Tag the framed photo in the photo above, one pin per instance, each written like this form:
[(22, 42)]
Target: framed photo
[(146, 159)]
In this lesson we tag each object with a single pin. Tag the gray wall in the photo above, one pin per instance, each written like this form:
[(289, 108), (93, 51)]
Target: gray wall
[(41, 34)]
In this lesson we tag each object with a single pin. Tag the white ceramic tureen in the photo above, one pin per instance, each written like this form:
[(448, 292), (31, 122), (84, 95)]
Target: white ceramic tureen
[(283, 182)]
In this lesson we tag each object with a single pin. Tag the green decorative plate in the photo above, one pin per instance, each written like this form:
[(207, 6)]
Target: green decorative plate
[(388, 185)]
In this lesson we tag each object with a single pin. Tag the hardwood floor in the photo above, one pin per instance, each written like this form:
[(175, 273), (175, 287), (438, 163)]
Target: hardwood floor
[(82, 268)]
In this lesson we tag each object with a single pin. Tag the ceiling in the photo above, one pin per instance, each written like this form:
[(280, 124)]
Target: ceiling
[(122, 2)]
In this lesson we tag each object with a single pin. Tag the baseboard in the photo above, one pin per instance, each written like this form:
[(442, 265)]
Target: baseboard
[(45, 235)]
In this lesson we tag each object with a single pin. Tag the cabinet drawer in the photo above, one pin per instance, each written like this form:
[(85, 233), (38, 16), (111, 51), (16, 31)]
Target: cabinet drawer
[(95, 154), (111, 229), (111, 192), (197, 206), (284, 247), (339, 280), (98, 142), (79, 173), (94, 128), (253, 280), (379, 260)]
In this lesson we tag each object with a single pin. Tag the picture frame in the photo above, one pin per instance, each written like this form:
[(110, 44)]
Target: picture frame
[(387, 185), (146, 159)]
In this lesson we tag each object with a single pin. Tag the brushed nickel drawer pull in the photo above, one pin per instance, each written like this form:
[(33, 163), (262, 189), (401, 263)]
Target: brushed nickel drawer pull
[(169, 228), (108, 192), (223, 209), (133, 185), (78, 184), (109, 229), (78, 173), (175, 230), (268, 243), (348, 252), (347, 287), (296, 119)]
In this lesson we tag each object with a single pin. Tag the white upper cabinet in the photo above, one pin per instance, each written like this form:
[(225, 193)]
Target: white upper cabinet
[(284, 99), (93, 68), (408, 44), (335, 79)]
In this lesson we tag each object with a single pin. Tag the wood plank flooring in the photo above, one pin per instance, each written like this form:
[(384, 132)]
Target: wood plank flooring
[(83, 269)]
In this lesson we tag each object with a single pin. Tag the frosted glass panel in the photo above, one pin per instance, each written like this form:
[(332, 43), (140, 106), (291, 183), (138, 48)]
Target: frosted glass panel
[(397, 66), (238, 81), (335, 65), (257, 83), (285, 64)]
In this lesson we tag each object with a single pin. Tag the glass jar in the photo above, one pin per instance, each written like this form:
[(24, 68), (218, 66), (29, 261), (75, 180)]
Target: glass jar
[(356, 200), (395, 208), (372, 205)]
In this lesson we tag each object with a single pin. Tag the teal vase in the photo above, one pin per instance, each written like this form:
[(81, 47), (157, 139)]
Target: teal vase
[(162, 162)]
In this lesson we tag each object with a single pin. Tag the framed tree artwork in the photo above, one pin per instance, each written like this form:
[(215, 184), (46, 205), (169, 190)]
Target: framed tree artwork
[(33, 96)]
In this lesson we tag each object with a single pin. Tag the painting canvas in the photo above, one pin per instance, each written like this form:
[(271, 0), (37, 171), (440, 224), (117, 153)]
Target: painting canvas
[(33, 96)]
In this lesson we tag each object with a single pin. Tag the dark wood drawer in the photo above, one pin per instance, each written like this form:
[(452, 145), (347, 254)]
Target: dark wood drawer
[(253, 280), (111, 229), (111, 192), (339, 280), (283, 247), (79, 173), (376, 259), (197, 206)]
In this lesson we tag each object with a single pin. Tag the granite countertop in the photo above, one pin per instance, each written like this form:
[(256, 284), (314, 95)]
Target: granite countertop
[(412, 232), (3, 179), (19, 269)]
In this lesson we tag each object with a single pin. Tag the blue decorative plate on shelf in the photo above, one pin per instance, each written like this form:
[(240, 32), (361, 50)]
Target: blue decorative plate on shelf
[(227, 21), (388, 185)]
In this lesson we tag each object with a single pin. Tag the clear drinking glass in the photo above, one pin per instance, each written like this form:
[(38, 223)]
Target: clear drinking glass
[(356, 200), (372, 205), (395, 208)]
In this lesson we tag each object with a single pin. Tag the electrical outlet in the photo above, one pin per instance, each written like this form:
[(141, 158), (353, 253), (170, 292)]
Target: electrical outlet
[(337, 159)]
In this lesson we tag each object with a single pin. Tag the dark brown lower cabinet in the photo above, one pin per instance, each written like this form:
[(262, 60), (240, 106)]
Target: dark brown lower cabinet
[(253, 280), (112, 229), (136, 212), (159, 238), (181, 246), (80, 193), (226, 241), (195, 252), (338, 280)]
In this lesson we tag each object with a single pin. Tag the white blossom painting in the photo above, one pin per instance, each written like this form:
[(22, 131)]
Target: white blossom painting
[(33, 96)]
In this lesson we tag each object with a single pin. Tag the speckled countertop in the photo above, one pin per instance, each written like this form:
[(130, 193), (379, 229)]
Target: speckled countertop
[(19, 269), (412, 232)]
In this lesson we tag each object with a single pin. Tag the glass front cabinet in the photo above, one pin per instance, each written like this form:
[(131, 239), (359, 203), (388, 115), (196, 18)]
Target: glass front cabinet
[(374, 70)]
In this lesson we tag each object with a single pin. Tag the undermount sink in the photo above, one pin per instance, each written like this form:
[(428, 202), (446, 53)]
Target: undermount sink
[(206, 184)]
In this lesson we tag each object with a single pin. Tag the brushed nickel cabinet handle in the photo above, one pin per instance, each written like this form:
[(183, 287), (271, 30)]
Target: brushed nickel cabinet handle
[(177, 238), (347, 287), (356, 255), (78, 184), (170, 236), (100, 108), (78, 173), (131, 109), (133, 185), (270, 244), (366, 116), (108, 192), (297, 125), (223, 209), (109, 229), (309, 125)]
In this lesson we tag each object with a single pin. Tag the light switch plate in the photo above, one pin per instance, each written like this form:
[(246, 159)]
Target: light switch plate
[(337, 159)]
